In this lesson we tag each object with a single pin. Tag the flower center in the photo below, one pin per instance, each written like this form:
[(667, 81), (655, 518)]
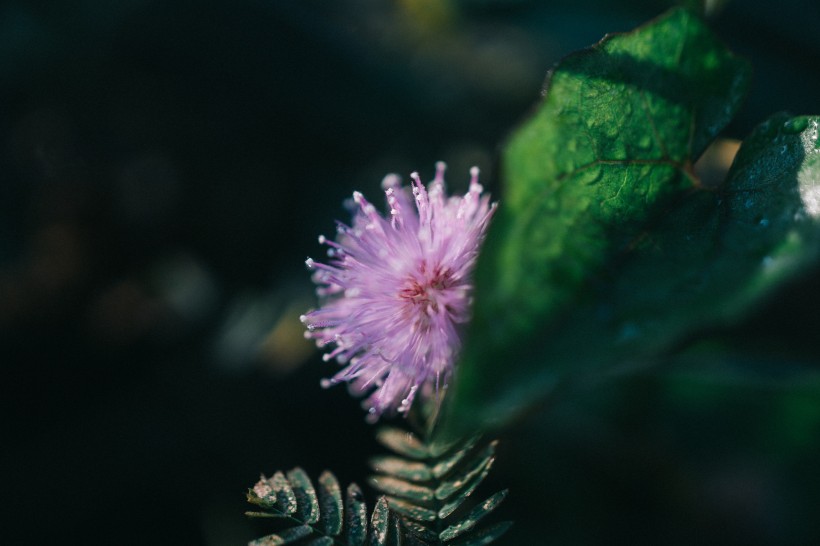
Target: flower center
[(424, 289)]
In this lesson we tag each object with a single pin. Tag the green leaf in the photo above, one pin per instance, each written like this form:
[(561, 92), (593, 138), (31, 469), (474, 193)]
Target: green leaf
[(292, 500), (396, 533), (416, 515), (411, 510), (480, 467), (287, 536), (402, 442), (419, 530), (401, 488), (447, 464), (712, 261), (717, 255), (285, 498), (321, 541), (484, 536), (452, 472), (379, 523), (475, 515), (464, 493), (252, 514), (607, 151), (330, 502), (355, 516), (401, 468), (308, 504)]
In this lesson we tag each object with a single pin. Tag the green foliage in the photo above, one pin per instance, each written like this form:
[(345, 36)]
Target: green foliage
[(428, 484), (424, 503), (715, 255), (607, 250), (319, 518)]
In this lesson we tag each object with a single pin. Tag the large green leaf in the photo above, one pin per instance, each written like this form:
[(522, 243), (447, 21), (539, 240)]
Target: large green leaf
[(717, 254), (710, 261), (607, 152)]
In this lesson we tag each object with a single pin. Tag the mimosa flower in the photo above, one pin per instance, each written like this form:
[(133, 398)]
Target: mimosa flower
[(396, 291)]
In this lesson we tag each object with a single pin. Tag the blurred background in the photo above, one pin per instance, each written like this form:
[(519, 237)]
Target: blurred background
[(165, 169)]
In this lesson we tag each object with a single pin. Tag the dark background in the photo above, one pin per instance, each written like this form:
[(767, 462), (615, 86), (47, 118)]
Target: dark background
[(165, 168)]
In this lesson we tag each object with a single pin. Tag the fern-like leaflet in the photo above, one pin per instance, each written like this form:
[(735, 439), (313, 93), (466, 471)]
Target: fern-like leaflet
[(426, 486), (321, 518)]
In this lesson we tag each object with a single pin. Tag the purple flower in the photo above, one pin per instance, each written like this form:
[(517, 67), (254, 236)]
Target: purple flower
[(397, 290)]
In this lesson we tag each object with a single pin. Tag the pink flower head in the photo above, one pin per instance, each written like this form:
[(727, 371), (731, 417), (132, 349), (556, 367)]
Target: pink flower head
[(397, 290)]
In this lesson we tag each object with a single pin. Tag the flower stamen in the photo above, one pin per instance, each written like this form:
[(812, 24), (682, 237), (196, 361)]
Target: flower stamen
[(397, 290)]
